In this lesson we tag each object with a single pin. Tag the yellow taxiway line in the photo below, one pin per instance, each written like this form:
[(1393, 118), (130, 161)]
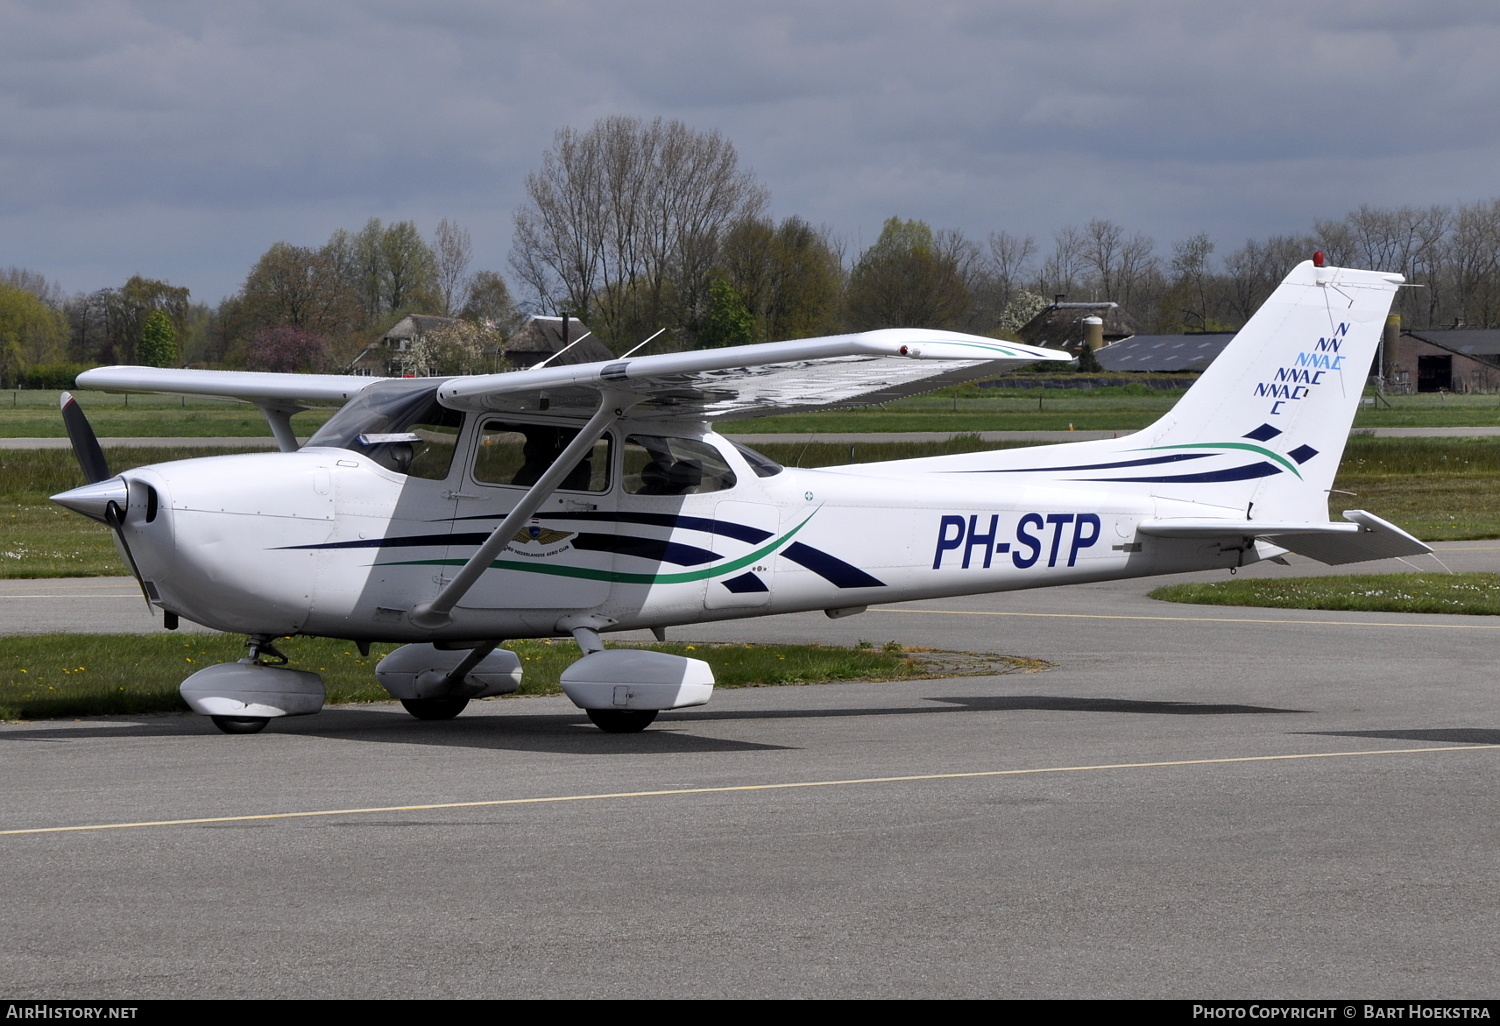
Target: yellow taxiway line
[(734, 788)]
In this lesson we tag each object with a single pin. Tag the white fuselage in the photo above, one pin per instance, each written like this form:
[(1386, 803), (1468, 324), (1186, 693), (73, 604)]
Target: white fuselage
[(325, 541)]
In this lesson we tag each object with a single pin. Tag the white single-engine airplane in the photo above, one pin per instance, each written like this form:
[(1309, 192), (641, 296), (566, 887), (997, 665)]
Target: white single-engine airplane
[(453, 514)]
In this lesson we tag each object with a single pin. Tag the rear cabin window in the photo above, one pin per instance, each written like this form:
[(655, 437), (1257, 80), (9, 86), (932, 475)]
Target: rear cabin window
[(658, 465), (518, 454)]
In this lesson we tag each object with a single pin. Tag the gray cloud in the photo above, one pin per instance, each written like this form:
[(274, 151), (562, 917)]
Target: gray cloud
[(181, 139)]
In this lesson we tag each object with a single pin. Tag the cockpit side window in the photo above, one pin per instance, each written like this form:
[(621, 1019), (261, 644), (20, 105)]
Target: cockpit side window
[(518, 454), (762, 464), (399, 425), (660, 465)]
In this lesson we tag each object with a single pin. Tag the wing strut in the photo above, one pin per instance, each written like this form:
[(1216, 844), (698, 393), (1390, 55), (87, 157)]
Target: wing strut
[(439, 612), (279, 416)]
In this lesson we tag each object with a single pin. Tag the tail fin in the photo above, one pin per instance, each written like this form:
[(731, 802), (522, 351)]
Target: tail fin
[(1265, 426)]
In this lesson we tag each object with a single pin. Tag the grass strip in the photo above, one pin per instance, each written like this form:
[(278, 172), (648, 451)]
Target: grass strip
[(1122, 407), (1469, 593), (59, 675), (34, 414)]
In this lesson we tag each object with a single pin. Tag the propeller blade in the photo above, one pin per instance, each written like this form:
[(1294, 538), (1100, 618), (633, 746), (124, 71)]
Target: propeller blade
[(85, 443), (107, 503), (114, 516)]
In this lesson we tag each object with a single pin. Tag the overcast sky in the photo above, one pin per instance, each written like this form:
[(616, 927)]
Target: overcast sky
[(179, 140)]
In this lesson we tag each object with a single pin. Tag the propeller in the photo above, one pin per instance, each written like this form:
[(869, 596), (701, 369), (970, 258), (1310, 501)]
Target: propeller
[(103, 498), (85, 444)]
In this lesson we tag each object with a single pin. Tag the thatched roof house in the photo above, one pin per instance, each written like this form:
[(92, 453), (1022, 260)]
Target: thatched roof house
[(543, 337), (383, 358)]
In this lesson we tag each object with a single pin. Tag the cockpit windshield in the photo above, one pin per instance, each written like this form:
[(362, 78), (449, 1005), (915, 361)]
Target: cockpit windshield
[(398, 424)]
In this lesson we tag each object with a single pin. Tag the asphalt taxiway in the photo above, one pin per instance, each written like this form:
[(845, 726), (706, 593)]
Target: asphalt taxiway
[(1190, 802)]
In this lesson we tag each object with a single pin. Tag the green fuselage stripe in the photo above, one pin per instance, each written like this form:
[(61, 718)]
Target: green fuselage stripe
[(617, 576), (1288, 464)]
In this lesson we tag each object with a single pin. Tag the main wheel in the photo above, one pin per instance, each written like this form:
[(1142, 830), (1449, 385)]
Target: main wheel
[(621, 721), (240, 724), (434, 708)]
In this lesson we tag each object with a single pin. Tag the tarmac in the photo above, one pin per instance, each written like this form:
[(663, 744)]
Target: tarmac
[(1189, 802)]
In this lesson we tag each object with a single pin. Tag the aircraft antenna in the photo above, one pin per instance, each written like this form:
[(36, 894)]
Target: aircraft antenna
[(643, 344), (564, 349)]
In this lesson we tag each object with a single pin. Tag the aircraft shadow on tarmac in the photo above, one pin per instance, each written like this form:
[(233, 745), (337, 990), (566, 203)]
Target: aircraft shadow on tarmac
[(571, 733), (1453, 735)]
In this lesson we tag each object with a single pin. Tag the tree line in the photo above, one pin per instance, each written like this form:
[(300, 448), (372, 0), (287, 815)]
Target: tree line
[(635, 226)]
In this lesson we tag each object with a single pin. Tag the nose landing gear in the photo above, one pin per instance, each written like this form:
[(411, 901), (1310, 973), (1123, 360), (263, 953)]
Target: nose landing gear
[(242, 697)]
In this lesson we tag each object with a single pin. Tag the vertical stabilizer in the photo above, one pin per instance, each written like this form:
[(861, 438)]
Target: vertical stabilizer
[(1267, 422)]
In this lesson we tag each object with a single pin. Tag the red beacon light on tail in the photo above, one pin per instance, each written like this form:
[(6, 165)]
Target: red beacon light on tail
[(1319, 260)]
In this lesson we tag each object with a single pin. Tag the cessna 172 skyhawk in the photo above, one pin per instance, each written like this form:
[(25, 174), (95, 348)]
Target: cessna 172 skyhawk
[(452, 514)]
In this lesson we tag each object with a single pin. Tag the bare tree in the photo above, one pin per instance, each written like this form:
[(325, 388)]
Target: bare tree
[(1253, 271), (1192, 282), (37, 284), (622, 223), (1063, 271), (1010, 259), (451, 252), (1406, 239), (1474, 262), (88, 318), (1102, 242)]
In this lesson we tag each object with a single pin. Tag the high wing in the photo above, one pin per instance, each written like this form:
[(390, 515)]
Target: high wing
[(279, 396), (246, 386), (750, 381), (707, 384)]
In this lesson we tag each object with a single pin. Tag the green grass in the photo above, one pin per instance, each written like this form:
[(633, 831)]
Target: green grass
[(1101, 409), (1471, 593), (55, 675), (1439, 489), (34, 414), (1034, 410), (964, 408), (1429, 410), (41, 539)]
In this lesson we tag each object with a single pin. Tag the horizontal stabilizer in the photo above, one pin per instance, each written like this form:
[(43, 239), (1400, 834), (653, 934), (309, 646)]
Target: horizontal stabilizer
[(1365, 537)]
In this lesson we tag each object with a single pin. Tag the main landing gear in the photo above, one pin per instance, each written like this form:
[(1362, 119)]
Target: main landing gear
[(622, 689), (434, 708), (622, 721)]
